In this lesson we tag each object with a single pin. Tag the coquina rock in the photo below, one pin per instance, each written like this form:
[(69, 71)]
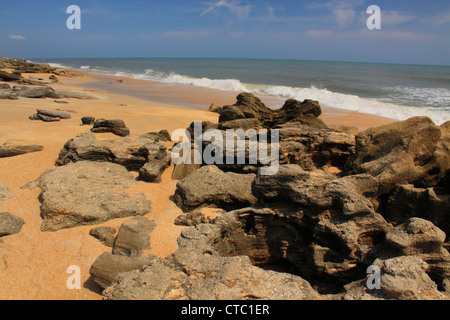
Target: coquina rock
[(115, 126), (211, 186), (406, 152), (16, 148), (86, 193), (197, 271), (143, 154), (401, 278), (133, 237), (338, 215)]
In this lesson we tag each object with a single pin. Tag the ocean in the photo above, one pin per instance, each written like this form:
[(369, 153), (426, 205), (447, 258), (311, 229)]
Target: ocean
[(389, 90)]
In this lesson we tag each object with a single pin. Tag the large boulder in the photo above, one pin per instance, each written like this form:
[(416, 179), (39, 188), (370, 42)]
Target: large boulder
[(313, 148), (86, 193), (400, 153), (211, 186), (337, 214), (248, 106)]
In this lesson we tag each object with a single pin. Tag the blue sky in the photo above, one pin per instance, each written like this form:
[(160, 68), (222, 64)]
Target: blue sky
[(412, 31)]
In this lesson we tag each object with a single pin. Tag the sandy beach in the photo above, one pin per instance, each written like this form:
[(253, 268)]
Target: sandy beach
[(33, 264)]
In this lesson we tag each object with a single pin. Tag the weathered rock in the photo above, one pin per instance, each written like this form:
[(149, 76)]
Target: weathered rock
[(196, 271), (247, 106), (243, 124), (104, 234), (416, 236), (86, 193), (107, 267), (86, 121), (133, 154), (4, 192), (40, 92), (338, 215), (45, 118), (10, 224), (211, 186), (406, 202), (306, 113), (69, 94), (423, 239), (152, 170), (53, 114), (11, 149), (6, 76), (115, 126), (133, 237), (405, 278), (399, 153), (215, 108), (34, 117), (5, 86), (193, 218), (315, 147), (8, 94), (212, 278), (402, 278), (165, 135)]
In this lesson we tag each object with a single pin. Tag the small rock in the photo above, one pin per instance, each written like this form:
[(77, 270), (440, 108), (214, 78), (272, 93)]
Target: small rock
[(87, 121), (4, 192), (54, 114), (133, 237), (108, 266), (10, 224), (104, 234), (12, 149), (115, 126)]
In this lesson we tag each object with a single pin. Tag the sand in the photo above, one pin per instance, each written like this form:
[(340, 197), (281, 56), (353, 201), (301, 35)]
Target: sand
[(33, 264)]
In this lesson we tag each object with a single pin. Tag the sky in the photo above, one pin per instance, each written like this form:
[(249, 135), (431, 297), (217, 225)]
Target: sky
[(412, 32)]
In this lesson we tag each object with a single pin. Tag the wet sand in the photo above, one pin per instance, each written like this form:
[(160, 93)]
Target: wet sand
[(33, 264)]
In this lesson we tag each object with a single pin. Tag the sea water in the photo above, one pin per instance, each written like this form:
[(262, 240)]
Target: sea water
[(390, 90)]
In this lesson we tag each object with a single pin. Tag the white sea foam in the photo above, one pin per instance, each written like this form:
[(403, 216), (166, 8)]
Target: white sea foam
[(326, 97), (358, 104), (85, 67)]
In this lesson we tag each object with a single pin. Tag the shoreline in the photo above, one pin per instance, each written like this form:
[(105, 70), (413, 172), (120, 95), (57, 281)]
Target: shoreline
[(201, 98)]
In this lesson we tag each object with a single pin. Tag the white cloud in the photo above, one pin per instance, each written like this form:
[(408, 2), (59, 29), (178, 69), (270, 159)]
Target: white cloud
[(239, 10), (442, 19), (17, 37), (344, 17), (344, 12)]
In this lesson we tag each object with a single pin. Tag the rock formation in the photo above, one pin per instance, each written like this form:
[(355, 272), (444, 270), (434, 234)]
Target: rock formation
[(86, 193)]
